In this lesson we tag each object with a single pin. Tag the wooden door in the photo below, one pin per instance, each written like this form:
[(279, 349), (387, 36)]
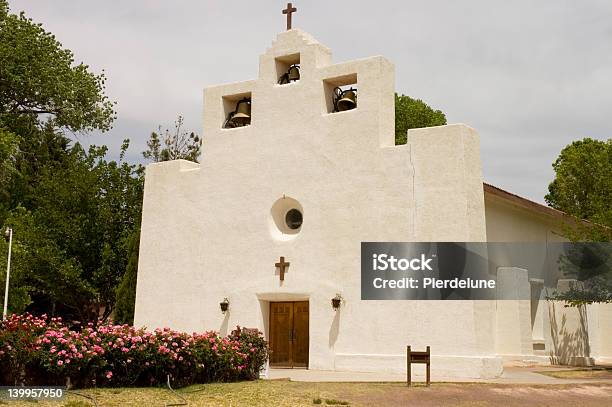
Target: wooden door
[(289, 334), (300, 334), (281, 329)]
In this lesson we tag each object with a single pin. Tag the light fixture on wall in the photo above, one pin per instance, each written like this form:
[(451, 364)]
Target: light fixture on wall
[(344, 99), (336, 302), (292, 75), (224, 305)]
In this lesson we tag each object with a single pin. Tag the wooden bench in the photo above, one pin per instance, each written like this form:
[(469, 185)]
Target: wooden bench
[(417, 357)]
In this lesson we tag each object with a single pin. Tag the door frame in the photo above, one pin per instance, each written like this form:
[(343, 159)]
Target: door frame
[(292, 363)]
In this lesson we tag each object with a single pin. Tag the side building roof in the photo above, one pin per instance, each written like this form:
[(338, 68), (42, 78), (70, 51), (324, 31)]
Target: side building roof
[(493, 192)]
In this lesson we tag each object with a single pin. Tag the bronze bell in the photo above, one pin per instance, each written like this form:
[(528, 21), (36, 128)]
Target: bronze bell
[(292, 75), (347, 100), (241, 116)]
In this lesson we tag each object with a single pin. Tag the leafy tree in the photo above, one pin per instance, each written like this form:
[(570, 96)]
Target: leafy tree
[(412, 114), (173, 145), (39, 80), (38, 151), (73, 211), (8, 150), (43, 95), (583, 189), (126, 291), (73, 240)]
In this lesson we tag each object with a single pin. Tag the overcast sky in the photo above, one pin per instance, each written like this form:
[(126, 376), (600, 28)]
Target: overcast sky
[(529, 76)]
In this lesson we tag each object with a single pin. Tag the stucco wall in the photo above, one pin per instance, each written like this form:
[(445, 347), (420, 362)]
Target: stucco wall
[(208, 230)]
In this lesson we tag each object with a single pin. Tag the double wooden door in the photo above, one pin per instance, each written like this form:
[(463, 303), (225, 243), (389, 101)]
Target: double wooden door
[(289, 334)]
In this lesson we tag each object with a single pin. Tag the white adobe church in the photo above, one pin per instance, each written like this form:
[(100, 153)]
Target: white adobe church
[(308, 184)]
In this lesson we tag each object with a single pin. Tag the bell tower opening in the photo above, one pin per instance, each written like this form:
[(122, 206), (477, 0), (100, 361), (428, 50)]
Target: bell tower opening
[(237, 110), (288, 69), (340, 93)]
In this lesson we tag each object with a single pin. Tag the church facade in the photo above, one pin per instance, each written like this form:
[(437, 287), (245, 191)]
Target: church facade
[(271, 223)]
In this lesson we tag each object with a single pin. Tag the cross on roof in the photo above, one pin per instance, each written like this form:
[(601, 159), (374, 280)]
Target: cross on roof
[(289, 10), (281, 266)]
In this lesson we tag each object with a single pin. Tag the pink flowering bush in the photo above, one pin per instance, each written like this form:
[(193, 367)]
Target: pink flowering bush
[(18, 347), (37, 351)]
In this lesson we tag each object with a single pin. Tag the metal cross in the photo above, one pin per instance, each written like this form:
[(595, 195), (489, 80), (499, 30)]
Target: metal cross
[(289, 10), (281, 266)]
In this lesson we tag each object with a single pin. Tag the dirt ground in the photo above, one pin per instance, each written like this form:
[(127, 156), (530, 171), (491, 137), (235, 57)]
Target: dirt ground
[(287, 393), (482, 395)]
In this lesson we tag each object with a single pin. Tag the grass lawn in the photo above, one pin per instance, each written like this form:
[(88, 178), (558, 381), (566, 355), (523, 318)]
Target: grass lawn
[(286, 393), (593, 373)]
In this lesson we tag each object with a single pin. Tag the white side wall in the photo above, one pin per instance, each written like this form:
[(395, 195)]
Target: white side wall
[(556, 334)]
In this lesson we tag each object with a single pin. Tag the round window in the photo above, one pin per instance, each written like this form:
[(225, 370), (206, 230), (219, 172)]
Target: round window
[(293, 219), (285, 219)]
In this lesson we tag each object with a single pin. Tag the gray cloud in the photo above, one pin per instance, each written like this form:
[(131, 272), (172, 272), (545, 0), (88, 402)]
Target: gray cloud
[(529, 76)]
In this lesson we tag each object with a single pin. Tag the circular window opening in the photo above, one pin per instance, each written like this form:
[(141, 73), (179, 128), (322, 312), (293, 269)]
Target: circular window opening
[(293, 219), (286, 218)]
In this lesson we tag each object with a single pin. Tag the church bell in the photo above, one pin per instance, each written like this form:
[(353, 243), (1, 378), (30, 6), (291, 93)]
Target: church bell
[(292, 75), (345, 99), (241, 116)]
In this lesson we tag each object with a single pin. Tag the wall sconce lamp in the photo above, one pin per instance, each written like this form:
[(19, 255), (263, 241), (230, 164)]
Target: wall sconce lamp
[(224, 305), (336, 301)]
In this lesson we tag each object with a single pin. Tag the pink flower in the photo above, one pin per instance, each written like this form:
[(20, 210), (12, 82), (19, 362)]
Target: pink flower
[(109, 374), (59, 363)]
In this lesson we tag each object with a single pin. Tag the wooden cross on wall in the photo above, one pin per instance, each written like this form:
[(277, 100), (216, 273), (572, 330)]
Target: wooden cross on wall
[(289, 10), (281, 267)]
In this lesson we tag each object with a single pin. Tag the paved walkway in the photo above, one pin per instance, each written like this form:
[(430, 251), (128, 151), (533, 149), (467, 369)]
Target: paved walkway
[(511, 375)]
